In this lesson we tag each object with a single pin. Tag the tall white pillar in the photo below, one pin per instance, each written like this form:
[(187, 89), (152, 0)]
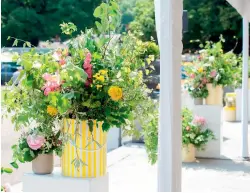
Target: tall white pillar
[(244, 150), (169, 145)]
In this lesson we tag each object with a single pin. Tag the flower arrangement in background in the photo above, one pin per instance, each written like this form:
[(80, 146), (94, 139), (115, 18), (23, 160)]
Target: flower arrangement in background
[(194, 130), (220, 68), (196, 81)]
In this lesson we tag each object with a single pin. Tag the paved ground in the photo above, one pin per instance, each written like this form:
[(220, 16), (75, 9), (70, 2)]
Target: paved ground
[(231, 147), (133, 173), (129, 171)]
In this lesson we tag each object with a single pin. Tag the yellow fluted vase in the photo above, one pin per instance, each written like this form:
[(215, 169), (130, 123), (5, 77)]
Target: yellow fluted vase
[(91, 148)]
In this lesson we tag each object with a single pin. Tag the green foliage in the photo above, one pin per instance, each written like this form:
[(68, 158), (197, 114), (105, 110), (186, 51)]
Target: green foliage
[(206, 21), (198, 92), (6, 170), (127, 11), (144, 21), (35, 20), (151, 48)]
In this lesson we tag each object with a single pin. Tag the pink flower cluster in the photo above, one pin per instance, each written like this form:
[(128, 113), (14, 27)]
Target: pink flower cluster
[(52, 83), (88, 68), (35, 142), (192, 75), (213, 73), (199, 121), (204, 80)]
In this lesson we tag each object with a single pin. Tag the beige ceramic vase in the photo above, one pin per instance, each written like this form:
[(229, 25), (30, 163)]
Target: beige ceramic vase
[(43, 164), (215, 95), (188, 153), (229, 114)]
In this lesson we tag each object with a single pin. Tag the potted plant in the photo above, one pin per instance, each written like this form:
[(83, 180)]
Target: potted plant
[(93, 85), (36, 147), (196, 84), (195, 135), (220, 69), (230, 108)]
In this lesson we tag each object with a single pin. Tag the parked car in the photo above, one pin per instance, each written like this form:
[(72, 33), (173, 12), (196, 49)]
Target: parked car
[(8, 69)]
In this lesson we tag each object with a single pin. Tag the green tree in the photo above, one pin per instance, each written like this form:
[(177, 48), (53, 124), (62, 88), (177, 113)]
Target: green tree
[(127, 11), (207, 20), (144, 19), (35, 20)]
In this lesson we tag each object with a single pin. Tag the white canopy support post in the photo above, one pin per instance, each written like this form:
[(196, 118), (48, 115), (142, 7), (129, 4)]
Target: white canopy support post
[(244, 116), (169, 144)]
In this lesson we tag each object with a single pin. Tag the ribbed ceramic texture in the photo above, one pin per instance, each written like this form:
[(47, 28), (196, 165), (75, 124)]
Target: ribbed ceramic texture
[(94, 155)]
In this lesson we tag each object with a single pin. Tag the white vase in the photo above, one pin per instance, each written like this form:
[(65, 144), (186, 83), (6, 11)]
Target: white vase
[(229, 114)]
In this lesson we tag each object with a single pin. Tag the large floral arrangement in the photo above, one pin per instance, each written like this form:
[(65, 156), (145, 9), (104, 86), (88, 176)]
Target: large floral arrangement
[(194, 130), (98, 77), (219, 67)]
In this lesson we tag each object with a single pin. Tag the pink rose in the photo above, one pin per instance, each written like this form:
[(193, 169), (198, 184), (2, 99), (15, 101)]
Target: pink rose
[(7, 187), (204, 81), (52, 83), (47, 91), (46, 76), (200, 121), (35, 142), (192, 75), (213, 73)]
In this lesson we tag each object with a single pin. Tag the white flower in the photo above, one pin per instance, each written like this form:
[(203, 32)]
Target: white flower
[(211, 58), (207, 64), (7, 187), (37, 64), (202, 51), (56, 56)]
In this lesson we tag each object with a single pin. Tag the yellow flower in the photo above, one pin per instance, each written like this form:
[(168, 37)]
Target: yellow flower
[(100, 78), (98, 86), (115, 92), (103, 72), (158, 87), (200, 69), (52, 111), (96, 75)]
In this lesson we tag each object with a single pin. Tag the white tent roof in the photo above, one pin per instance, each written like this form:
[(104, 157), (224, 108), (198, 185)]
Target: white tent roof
[(242, 6)]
